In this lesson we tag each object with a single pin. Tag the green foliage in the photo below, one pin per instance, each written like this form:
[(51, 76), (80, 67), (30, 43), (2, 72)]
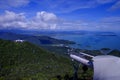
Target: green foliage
[(61, 50), (28, 62), (25, 61)]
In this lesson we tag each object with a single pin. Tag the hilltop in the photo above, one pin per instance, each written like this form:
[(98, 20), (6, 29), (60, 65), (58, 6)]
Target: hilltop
[(26, 61)]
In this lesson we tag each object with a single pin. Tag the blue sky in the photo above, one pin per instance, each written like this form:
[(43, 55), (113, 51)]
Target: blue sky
[(93, 15)]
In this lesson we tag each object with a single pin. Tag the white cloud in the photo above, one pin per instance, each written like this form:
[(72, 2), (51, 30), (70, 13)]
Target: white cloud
[(11, 19), (42, 20), (11, 16), (46, 16), (13, 3), (49, 21), (45, 20)]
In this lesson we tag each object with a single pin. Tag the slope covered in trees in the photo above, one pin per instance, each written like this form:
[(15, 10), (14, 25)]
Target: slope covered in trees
[(25, 61)]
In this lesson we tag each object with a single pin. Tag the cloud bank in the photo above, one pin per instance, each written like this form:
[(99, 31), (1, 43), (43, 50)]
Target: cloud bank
[(49, 21), (42, 20)]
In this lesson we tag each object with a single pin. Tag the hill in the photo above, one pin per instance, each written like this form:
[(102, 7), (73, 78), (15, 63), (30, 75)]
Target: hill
[(25, 61)]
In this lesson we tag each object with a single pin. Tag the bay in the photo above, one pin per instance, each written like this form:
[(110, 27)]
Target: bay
[(92, 41)]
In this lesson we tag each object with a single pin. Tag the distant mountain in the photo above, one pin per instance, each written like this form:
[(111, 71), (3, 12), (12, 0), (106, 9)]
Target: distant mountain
[(46, 32), (39, 40), (58, 32)]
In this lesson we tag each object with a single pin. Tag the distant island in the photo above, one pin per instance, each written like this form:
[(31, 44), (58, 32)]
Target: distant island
[(106, 34)]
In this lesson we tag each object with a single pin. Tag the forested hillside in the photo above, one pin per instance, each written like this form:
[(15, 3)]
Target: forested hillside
[(25, 61)]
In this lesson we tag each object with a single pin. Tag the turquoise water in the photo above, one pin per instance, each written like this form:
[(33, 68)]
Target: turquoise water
[(92, 41)]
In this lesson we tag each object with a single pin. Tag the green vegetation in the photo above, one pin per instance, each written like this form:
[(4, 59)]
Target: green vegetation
[(61, 50), (25, 61)]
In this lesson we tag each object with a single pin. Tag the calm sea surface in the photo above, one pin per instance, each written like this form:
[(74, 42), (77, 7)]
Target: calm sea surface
[(90, 41)]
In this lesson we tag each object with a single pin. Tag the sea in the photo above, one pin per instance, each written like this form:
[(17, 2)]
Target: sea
[(92, 41)]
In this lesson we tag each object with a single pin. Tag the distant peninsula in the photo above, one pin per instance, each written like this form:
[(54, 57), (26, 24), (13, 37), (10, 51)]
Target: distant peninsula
[(38, 40)]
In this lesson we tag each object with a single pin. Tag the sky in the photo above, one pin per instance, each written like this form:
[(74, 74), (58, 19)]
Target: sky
[(90, 15)]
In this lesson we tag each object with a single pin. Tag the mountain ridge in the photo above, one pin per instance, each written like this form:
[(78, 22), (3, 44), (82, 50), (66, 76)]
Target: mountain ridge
[(38, 40), (24, 61)]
